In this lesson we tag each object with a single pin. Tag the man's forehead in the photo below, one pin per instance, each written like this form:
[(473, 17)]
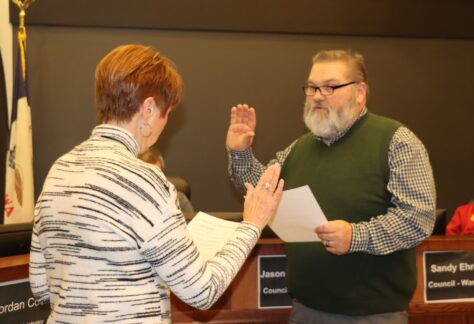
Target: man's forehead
[(328, 71)]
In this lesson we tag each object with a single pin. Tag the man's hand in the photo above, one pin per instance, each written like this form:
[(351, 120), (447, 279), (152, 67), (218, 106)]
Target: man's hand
[(336, 236), (242, 127)]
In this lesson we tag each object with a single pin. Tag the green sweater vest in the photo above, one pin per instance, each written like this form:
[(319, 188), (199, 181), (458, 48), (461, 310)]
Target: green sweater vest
[(349, 180)]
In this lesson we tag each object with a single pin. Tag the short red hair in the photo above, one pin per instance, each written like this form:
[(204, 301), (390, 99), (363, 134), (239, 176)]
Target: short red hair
[(128, 75)]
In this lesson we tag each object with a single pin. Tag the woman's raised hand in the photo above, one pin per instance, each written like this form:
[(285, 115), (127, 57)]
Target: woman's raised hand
[(262, 200)]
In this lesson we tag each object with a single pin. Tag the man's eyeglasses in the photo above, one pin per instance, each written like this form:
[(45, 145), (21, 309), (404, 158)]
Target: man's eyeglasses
[(324, 90)]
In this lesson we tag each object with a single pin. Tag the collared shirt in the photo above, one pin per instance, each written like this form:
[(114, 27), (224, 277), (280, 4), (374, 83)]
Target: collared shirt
[(411, 184)]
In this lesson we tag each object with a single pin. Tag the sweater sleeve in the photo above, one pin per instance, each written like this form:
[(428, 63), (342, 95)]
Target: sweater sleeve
[(244, 167), (177, 261), (37, 265)]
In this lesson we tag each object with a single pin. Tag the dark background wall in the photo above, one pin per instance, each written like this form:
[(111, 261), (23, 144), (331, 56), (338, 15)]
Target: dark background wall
[(419, 56)]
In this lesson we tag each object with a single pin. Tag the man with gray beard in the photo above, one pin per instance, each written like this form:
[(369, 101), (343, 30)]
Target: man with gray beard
[(372, 178)]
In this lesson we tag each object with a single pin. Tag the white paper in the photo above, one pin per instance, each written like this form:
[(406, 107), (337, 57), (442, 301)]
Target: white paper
[(210, 233), (297, 216)]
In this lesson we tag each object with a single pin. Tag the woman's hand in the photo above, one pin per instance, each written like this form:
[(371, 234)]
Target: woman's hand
[(261, 202)]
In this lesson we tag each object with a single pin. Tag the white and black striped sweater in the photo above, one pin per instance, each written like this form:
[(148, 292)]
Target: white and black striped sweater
[(109, 239)]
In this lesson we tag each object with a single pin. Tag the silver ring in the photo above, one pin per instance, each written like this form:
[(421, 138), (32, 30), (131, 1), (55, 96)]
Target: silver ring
[(266, 186)]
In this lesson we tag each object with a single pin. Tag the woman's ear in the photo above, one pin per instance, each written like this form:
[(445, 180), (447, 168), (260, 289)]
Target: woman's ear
[(149, 107)]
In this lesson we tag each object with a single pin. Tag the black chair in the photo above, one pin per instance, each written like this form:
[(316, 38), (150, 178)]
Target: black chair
[(181, 184), (15, 239), (440, 222)]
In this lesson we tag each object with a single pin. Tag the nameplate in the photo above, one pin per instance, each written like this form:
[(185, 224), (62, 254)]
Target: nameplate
[(272, 291), (17, 304), (449, 276)]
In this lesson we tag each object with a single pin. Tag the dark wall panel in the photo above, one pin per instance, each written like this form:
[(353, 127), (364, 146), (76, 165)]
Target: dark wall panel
[(407, 18), (425, 83)]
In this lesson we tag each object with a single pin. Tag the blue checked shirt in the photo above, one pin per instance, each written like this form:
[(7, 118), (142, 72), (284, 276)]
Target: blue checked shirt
[(411, 184)]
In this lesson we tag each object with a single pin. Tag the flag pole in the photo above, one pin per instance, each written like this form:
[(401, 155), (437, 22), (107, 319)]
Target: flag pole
[(23, 5)]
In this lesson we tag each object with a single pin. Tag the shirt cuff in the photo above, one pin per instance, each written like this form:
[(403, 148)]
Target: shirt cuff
[(360, 238), (253, 227), (241, 155)]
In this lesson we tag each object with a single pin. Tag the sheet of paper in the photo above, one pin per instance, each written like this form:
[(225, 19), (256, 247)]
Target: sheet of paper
[(210, 233), (297, 216)]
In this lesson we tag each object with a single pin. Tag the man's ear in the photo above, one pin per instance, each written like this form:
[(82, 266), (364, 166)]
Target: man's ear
[(361, 92)]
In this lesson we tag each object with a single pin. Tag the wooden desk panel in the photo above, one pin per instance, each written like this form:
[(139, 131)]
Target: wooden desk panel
[(239, 302), (14, 267), (439, 313)]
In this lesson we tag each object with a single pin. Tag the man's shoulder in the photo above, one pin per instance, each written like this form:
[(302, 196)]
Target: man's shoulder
[(381, 124), (305, 138), (383, 119)]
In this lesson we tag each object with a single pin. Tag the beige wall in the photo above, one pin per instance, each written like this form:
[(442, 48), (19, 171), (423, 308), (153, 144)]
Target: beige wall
[(6, 48)]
